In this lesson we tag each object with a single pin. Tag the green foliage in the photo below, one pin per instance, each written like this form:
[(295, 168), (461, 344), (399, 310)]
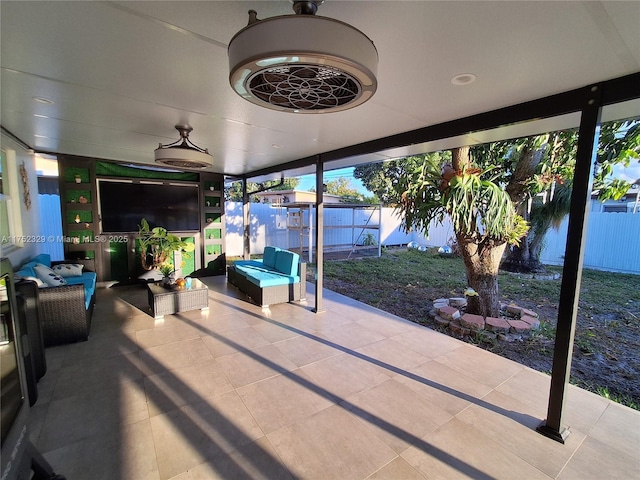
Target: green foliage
[(478, 207), (157, 245), (622, 399), (619, 144), (481, 208), (344, 188), (233, 192), (369, 239), (381, 178)]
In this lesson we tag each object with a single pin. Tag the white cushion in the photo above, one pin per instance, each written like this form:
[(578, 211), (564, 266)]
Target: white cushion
[(48, 276), (68, 269)]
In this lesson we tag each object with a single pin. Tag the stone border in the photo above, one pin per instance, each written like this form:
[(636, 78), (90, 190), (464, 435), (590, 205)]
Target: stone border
[(513, 321)]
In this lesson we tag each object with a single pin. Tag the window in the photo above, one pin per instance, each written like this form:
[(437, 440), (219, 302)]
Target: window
[(615, 208)]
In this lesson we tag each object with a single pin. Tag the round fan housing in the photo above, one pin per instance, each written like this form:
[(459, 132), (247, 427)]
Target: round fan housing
[(183, 153), (303, 64)]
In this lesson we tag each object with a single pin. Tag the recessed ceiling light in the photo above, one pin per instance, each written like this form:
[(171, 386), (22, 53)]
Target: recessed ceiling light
[(463, 79), (46, 101)]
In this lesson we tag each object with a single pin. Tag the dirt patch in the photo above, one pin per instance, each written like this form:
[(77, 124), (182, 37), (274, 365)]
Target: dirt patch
[(605, 358)]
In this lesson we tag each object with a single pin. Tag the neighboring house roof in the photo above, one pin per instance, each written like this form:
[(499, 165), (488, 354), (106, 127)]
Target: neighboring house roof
[(295, 196)]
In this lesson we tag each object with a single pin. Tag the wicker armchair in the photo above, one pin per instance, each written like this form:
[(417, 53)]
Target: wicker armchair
[(65, 310), (63, 314)]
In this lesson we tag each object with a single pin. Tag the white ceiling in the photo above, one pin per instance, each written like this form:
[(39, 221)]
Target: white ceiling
[(122, 74)]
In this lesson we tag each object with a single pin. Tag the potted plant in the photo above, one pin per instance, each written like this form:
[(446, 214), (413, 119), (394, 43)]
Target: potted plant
[(166, 269), (157, 247)]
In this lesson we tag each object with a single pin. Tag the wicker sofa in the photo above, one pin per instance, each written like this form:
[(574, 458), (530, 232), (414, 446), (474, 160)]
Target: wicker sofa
[(65, 311), (278, 277)]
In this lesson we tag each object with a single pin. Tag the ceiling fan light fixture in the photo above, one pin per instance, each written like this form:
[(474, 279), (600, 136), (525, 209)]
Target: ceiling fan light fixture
[(302, 63), (183, 153)]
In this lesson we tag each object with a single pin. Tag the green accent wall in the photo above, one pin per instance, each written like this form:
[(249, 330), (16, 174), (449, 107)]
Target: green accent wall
[(118, 261), (108, 169)]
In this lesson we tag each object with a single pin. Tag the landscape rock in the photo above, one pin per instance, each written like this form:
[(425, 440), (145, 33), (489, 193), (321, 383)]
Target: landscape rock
[(458, 302), (497, 324), (456, 327), (518, 326), (471, 321), (533, 321), (441, 321), (449, 313), (514, 310)]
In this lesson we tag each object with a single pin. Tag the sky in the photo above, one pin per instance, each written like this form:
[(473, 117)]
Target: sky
[(307, 182), (630, 173)]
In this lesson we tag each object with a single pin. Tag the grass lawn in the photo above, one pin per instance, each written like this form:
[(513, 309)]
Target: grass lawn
[(606, 356)]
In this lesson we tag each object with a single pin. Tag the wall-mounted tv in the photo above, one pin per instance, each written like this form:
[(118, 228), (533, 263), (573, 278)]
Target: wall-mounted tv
[(169, 205)]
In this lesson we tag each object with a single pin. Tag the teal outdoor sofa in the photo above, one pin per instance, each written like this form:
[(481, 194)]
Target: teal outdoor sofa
[(66, 293), (279, 277)]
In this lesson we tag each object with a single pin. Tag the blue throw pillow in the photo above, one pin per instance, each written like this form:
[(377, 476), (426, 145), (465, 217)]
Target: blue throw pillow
[(43, 258), (27, 270)]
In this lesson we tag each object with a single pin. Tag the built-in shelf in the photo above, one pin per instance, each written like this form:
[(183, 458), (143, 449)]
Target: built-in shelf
[(213, 229), (79, 210)]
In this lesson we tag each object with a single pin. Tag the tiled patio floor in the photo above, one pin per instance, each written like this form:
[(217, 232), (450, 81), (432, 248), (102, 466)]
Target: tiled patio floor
[(352, 393)]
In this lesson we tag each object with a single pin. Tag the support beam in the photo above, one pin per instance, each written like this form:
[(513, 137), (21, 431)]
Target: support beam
[(246, 222), (553, 426), (319, 226)]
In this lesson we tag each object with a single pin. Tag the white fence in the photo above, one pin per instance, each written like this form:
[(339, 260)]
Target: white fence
[(613, 243), (613, 239)]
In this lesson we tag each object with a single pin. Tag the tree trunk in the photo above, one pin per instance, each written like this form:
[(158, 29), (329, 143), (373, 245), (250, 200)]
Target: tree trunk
[(521, 258), (526, 257), (481, 258), (518, 187), (460, 158), (482, 262)]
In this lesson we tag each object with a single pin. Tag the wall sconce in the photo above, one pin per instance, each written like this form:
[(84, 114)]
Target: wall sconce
[(77, 219)]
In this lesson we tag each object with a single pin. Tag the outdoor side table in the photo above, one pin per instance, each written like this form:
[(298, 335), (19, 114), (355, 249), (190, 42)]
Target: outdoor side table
[(166, 301)]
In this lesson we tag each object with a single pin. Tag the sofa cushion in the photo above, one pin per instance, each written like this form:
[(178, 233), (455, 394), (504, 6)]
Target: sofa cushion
[(27, 270), (287, 262), (48, 276), (43, 258), (255, 263), (68, 269), (269, 256), (267, 279), (252, 273), (88, 281)]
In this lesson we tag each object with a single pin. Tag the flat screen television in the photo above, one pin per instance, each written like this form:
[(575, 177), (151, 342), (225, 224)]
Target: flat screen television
[(14, 406), (169, 205)]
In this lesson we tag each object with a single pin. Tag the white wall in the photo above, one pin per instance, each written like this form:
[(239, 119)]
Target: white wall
[(30, 219)]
